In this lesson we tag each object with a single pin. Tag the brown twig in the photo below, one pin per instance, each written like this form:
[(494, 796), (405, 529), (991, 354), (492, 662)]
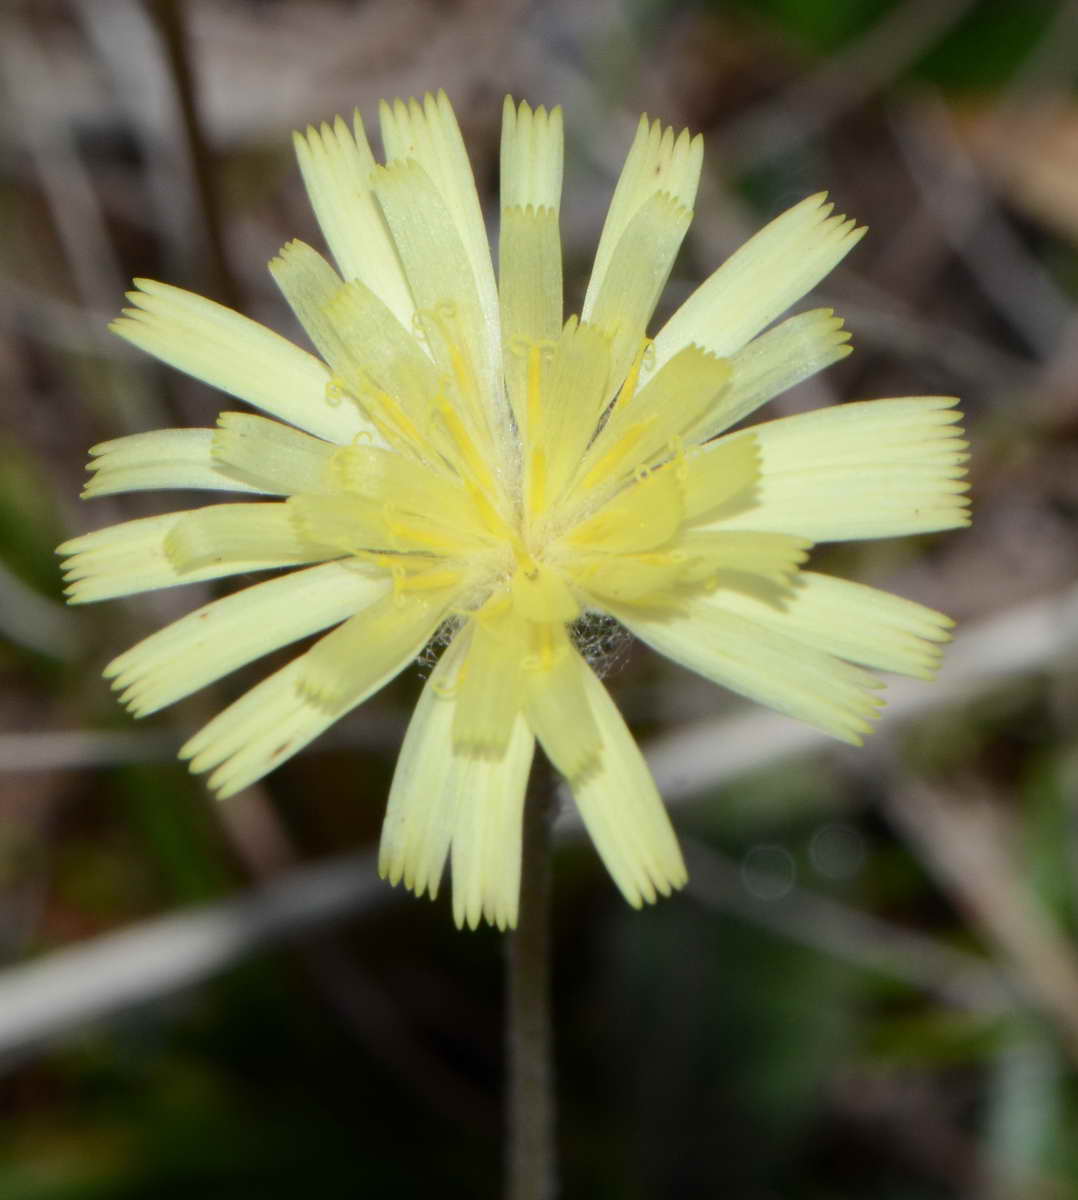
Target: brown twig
[(168, 15)]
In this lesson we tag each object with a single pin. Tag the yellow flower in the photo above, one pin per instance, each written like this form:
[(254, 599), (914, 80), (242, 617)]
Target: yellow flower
[(459, 464)]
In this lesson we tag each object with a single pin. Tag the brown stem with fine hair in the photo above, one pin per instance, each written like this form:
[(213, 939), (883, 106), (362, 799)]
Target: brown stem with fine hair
[(530, 1165)]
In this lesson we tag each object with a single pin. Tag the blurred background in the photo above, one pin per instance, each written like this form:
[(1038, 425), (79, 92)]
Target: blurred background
[(870, 987)]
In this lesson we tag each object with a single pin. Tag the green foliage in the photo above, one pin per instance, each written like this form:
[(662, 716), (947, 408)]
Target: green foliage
[(983, 50), (989, 45), (1047, 829), (822, 26), (170, 813), (30, 524)]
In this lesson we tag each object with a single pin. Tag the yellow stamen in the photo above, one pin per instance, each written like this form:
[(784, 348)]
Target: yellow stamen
[(473, 459), (429, 581), (416, 440), (443, 319), (628, 388), (423, 536), (378, 419), (534, 391), (536, 481), (617, 453), (493, 521)]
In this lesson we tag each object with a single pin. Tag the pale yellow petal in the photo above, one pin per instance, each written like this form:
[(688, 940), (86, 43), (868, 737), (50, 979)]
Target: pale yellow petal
[(530, 288), (541, 594), (532, 156), (529, 251), (406, 504), (487, 835), (877, 468), (356, 524), (651, 579), (428, 134), (236, 535), (635, 276), (257, 733), (405, 485), (225, 634), (769, 667), (337, 166), (757, 283), (269, 456), (490, 690), (237, 355), (163, 458), (351, 524), (370, 648), (440, 796), (649, 425), (421, 812), (771, 556), (309, 283), (457, 333), (567, 390), (770, 364), (642, 516), (756, 563), (379, 367), (657, 163), (559, 710), (393, 379), (720, 479), (377, 364), (622, 810), (855, 622), (137, 556), (282, 714)]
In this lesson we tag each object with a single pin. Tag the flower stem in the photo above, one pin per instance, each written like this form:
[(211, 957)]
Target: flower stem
[(531, 1172)]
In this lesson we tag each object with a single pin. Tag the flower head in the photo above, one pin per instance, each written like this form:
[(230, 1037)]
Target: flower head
[(458, 461)]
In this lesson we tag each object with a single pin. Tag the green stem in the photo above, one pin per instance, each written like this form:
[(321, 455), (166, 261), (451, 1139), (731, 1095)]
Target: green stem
[(531, 1169)]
